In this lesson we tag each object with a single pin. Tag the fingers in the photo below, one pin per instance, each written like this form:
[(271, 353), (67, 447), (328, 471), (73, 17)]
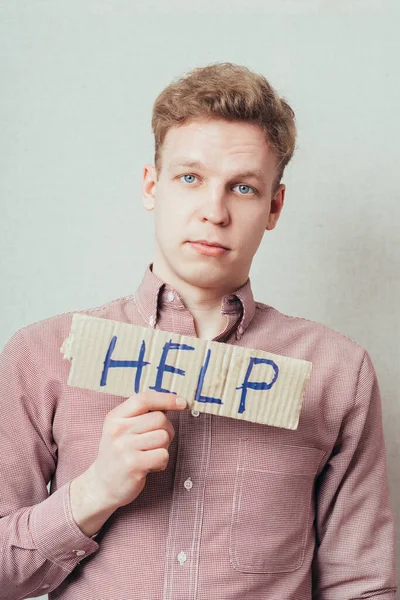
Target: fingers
[(142, 403), (160, 438), (150, 422), (153, 460)]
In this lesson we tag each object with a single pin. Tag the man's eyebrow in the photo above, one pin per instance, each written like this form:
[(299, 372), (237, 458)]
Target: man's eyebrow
[(196, 164)]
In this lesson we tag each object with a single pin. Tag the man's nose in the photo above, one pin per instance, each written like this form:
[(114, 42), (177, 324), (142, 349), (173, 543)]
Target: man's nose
[(215, 208)]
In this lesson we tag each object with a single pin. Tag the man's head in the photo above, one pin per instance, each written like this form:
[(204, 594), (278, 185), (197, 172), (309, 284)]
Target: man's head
[(223, 138)]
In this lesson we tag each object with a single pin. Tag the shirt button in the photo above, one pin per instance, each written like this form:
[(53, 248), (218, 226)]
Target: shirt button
[(182, 558), (188, 484), (195, 413), (45, 586), (171, 296), (79, 552), (152, 321)]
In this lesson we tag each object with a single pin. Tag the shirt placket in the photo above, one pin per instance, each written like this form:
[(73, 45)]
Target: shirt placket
[(186, 517)]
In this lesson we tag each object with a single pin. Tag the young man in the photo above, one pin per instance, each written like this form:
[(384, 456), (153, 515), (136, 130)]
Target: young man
[(152, 501)]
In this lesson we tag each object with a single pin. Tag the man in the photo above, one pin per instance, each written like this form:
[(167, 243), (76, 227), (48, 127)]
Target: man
[(152, 501)]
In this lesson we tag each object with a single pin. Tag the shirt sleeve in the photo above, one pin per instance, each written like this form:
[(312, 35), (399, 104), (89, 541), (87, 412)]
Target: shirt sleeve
[(40, 543), (355, 532)]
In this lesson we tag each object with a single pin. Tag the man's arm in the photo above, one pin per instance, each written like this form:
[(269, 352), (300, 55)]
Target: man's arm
[(355, 532), (42, 537), (40, 543)]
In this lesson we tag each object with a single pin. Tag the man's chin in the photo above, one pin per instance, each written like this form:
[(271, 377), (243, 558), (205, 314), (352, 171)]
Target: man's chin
[(205, 273), (198, 270)]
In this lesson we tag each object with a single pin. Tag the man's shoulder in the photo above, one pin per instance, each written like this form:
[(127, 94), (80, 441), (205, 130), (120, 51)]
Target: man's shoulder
[(306, 333), (56, 328)]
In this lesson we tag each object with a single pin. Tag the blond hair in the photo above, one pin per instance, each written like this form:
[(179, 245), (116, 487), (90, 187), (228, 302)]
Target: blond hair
[(227, 91)]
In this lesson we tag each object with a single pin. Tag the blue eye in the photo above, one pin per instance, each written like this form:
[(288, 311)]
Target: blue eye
[(187, 176), (246, 187)]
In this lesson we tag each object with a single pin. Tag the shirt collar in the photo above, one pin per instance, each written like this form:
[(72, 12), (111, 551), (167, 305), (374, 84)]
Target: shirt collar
[(154, 295)]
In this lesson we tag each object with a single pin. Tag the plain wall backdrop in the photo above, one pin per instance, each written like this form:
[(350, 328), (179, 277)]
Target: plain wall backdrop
[(78, 80)]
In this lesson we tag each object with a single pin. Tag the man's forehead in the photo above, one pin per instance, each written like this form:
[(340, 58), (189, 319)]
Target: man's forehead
[(238, 149)]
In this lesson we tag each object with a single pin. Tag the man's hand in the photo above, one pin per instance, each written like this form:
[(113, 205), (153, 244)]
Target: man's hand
[(134, 442)]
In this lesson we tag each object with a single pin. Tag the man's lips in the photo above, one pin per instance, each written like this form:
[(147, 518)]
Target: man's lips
[(208, 248), (208, 243)]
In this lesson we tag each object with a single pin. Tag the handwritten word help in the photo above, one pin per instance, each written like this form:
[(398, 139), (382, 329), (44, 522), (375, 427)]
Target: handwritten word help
[(140, 364)]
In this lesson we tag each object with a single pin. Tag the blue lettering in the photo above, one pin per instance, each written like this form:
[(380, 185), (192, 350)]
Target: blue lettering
[(256, 385), (109, 363), (202, 375), (162, 367)]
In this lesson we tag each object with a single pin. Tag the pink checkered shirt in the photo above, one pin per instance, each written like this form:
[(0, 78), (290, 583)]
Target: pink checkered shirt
[(243, 511)]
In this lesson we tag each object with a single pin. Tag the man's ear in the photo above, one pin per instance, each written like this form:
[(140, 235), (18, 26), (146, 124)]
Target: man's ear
[(149, 186), (276, 206)]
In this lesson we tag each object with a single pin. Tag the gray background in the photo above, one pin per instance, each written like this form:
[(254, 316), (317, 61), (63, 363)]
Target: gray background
[(78, 80)]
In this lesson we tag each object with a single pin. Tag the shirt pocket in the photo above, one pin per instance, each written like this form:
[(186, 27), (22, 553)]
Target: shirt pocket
[(272, 511)]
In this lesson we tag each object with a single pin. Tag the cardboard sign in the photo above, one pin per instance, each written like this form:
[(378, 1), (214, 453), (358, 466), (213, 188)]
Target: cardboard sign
[(217, 378)]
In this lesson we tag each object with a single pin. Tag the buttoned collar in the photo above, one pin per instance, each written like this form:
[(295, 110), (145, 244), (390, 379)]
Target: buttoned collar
[(154, 295)]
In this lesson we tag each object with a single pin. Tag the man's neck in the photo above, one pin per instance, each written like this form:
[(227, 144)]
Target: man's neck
[(204, 305), (208, 321)]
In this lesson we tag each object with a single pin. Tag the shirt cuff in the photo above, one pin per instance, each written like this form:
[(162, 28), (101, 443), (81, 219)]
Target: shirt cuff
[(56, 535)]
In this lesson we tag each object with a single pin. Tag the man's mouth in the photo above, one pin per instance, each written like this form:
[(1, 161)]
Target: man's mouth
[(209, 243), (209, 247)]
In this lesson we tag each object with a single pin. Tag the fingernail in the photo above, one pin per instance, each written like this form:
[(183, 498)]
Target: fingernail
[(181, 402)]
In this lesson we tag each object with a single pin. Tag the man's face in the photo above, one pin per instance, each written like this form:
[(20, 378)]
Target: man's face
[(203, 194)]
